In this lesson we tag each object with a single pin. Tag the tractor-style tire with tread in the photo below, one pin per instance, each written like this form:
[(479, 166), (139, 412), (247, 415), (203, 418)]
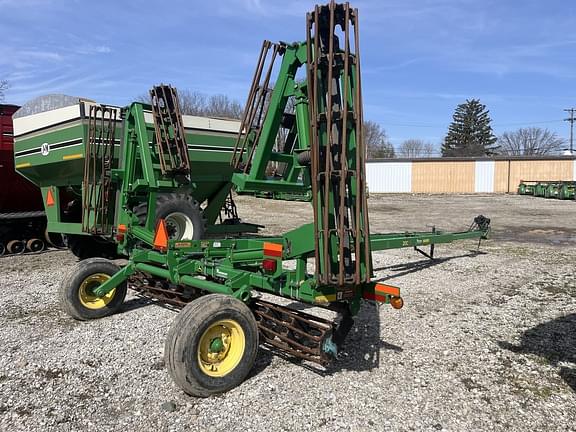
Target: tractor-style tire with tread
[(183, 348), (171, 204), (75, 296)]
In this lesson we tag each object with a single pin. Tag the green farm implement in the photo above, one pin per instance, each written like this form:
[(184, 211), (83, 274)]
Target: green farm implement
[(560, 189), (79, 154), (218, 280)]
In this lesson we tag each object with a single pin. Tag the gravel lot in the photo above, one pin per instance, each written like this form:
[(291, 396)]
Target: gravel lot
[(486, 341)]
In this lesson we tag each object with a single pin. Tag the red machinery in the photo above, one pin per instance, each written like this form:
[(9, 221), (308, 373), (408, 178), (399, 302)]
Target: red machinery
[(22, 219)]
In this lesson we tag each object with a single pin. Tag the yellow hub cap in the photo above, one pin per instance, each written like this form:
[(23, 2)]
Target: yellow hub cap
[(221, 348), (86, 292)]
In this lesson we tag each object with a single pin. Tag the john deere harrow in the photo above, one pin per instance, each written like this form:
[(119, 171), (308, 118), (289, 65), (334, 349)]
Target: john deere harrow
[(219, 283)]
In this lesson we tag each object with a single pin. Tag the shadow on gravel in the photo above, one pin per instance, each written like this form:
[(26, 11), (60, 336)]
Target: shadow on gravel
[(140, 301), (414, 266), (555, 341)]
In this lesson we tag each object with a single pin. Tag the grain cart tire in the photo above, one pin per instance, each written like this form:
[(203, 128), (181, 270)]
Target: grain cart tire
[(212, 345), (2, 249), (76, 290), (182, 214), (86, 246)]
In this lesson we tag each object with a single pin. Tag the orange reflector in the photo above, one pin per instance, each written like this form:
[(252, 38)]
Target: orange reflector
[(387, 289), (161, 236), (272, 249), (122, 228), (49, 198), (382, 293)]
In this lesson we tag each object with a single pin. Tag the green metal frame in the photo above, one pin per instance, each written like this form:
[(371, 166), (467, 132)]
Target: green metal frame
[(295, 181)]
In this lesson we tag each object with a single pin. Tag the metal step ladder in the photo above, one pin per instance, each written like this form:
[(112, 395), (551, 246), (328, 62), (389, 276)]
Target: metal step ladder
[(98, 161)]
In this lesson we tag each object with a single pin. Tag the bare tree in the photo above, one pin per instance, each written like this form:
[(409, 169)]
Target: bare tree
[(413, 148), (3, 87), (192, 102), (196, 103), (377, 143), (530, 141), (222, 105)]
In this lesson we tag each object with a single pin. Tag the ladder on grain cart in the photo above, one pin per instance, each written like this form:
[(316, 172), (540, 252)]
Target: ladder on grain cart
[(98, 161)]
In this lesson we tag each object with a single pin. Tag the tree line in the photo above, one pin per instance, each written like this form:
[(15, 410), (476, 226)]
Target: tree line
[(469, 135)]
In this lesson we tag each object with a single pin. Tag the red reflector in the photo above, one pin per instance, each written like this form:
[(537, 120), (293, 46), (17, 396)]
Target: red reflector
[(272, 249), (161, 236), (269, 265), (375, 297), (49, 198), (119, 237)]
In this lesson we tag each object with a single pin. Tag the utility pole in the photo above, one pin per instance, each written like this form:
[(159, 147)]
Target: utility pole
[(571, 120)]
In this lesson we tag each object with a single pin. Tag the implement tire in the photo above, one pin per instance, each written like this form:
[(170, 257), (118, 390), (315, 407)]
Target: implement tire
[(212, 345), (76, 297), (182, 214)]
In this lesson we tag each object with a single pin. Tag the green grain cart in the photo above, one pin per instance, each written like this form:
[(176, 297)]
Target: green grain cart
[(64, 150)]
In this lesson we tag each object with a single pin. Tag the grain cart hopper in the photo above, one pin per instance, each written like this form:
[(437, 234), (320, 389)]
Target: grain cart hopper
[(65, 151), (218, 282)]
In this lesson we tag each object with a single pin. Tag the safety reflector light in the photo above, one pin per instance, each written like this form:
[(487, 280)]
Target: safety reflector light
[(272, 249), (396, 302), (387, 289), (122, 228), (161, 236), (382, 292), (49, 198), (269, 265)]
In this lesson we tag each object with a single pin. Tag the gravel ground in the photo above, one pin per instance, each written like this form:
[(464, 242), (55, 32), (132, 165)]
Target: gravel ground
[(485, 341)]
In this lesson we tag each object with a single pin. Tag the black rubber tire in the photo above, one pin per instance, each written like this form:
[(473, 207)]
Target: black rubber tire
[(86, 246), (2, 249), (70, 288), (35, 245), (16, 247), (181, 348), (176, 203)]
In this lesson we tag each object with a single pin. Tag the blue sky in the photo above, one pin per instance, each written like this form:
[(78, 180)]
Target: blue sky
[(420, 58)]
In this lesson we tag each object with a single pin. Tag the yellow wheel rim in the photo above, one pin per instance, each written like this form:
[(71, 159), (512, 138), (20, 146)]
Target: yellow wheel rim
[(86, 292), (221, 348)]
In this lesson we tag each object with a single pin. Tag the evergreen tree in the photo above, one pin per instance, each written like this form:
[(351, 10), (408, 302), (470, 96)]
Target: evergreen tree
[(470, 133)]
